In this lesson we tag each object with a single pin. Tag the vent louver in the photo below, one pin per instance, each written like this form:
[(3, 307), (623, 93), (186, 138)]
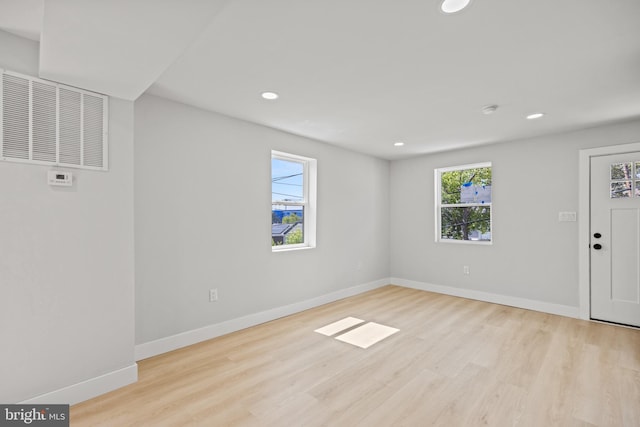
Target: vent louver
[(15, 117), (70, 138), (47, 123)]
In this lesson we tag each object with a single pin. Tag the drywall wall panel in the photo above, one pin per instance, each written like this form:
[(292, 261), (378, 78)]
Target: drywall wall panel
[(203, 220), (66, 262), (533, 255), (18, 54)]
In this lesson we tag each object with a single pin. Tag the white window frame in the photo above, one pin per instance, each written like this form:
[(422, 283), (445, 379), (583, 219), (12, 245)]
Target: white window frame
[(438, 204), (308, 203)]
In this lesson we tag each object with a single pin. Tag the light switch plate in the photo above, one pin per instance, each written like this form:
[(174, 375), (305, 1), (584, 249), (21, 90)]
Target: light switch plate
[(566, 216)]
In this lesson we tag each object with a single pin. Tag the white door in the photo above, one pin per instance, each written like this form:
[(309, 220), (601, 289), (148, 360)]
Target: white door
[(615, 238)]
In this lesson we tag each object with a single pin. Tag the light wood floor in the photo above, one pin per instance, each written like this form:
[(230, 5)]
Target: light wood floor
[(455, 362)]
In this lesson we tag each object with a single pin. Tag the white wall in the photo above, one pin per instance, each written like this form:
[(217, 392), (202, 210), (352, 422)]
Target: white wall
[(203, 215), (66, 267), (533, 256)]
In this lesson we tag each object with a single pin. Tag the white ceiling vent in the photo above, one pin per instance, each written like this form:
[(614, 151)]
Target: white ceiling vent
[(48, 123)]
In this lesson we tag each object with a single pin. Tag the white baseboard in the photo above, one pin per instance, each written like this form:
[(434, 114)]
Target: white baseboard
[(174, 342), (88, 389), (545, 307), (163, 345), (105, 383)]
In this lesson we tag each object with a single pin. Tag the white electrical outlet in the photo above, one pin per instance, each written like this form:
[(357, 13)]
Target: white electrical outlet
[(213, 295), (465, 269)]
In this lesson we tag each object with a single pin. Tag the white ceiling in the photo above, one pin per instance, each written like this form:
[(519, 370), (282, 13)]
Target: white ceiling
[(22, 17), (361, 74), (118, 47)]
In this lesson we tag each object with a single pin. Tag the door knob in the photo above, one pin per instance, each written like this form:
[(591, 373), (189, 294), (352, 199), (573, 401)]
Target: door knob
[(597, 246), (597, 235)]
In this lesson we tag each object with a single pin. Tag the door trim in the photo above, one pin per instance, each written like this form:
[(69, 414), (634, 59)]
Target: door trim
[(584, 218)]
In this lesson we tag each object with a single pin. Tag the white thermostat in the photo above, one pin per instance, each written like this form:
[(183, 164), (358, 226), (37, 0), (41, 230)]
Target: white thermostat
[(60, 178)]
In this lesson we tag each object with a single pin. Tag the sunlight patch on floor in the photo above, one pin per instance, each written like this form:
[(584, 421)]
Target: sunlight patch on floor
[(363, 336), (339, 326)]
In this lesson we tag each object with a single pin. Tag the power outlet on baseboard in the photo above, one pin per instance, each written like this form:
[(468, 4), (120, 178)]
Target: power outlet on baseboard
[(465, 270), (213, 295)]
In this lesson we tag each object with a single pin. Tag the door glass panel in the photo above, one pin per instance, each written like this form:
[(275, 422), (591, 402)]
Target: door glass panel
[(620, 189), (624, 180), (621, 171)]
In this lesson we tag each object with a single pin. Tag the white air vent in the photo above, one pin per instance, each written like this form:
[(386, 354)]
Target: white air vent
[(48, 123)]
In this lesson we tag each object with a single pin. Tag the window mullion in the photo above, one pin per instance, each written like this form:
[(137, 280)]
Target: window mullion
[(464, 205)]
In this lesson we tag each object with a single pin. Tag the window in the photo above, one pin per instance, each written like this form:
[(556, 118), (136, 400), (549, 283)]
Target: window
[(293, 194), (463, 203)]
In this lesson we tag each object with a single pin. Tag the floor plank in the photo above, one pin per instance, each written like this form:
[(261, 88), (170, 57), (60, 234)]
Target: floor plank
[(454, 362)]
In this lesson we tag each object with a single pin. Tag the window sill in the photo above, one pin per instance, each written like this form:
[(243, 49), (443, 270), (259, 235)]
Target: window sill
[(285, 249), (466, 242)]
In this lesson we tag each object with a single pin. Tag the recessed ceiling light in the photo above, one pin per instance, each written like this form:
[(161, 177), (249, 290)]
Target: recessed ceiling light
[(269, 95), (453, 6), (535, 116), (398, 144)]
